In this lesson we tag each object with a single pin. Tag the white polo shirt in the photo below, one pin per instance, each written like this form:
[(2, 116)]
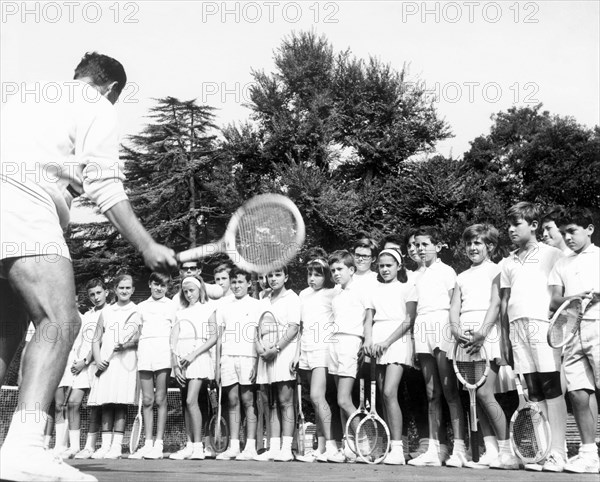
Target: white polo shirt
[(578, 273), (433, 284), (527, 280), (316, 314), (239, 319), (157, 316), (476, 286), (349, 305)]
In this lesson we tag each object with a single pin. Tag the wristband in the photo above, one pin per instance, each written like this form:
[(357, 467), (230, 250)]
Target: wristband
[(278, 348)]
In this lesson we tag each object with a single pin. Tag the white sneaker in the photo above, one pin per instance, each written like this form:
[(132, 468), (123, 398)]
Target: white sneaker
[(583, 464), (428, 459), (342, 456), (114, 453), (197, 454), (309, 457), (506, 462), (395, 457), (487, 458), (141, 452), (155, 452), (229, 454), (100, 453), (38, 465), (183, 454), (284, 456), (86, 453), (458, 460), (209, 452), (533, 467), (554, 463), (322, 457), (423, 446), (266, 456), (247, 455)]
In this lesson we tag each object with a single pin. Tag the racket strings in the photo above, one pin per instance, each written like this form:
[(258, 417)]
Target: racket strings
[(472, 371), (219, 434), (372, 439), (528, 434), (267, 234), (564, 323)]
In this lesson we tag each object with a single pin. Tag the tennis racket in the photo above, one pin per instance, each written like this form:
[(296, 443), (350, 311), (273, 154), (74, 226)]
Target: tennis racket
[(372, 435), (354, 419), (264, 234), (218, 431), (117, 345), (566, 321), (471, 371), (300, 422), (529, 429), (183, 341), (136, 428)]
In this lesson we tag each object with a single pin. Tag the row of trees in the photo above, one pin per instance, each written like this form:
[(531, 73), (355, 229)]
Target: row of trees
[(350, 141)]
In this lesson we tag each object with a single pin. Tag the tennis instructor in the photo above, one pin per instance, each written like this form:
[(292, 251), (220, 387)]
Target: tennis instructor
[(57, 142)]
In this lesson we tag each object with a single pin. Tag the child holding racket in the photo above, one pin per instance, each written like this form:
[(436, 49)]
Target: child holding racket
[(157, 315), (274, 365), (115, 385), (524, 281), (237, 322), (348, 306), (578, 275), (389, 317), (313, 353), (190, 358), (433, 341), (475, 289)]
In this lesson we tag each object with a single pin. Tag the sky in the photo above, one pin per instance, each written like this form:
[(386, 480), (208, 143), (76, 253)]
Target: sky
[(475, 58)]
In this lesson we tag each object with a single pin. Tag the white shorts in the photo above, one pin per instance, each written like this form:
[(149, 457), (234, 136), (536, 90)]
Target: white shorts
[(279, 369), (343, 353), (432, 330), (312, 359), (401, 351), (473, 321), (237, 369), (29, 224), (582, 358), (154, 354), (530, 349)]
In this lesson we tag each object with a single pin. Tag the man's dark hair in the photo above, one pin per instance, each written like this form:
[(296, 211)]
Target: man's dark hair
[(102, 70)]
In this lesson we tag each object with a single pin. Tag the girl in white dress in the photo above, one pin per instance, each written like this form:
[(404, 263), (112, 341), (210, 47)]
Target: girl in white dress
[(285, 305), (116, 385), (196, 368), (388, 322)]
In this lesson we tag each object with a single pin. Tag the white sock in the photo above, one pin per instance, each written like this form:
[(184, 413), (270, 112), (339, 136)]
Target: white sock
[(491, 445), (158, 442), (286, 443), (587, 449), (505, 447), (397, 446), (47, 441), (26, 430), (459, 446), (90, 441), (234, 445), (62, 434), (321, 444), (275, 444), (106, 439), (148, 443), (189, 444), (198, 446), (117, 441), (557, 417), (434, 446), (331, 446), (250, 445), (74, 440)]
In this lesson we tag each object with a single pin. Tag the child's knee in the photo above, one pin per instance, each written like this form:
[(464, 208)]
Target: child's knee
[(148, 400)]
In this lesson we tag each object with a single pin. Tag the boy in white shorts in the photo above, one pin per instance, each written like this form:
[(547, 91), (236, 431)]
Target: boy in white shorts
[(524, 281), (578, 274), (349, 309), (237, 322)]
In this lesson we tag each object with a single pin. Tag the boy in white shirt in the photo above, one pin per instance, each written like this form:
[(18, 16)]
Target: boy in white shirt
[(237, 322), (524, 281), (578, 275)]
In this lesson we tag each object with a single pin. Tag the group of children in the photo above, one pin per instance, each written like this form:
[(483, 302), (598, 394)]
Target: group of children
[(408, 320)]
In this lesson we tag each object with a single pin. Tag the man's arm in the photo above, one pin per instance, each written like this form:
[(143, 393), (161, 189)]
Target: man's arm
[(156, 256)]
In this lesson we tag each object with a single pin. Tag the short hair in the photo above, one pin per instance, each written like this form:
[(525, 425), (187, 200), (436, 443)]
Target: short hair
[(315, 252), (102, 70), (488, 233), (160, 278), (93, 283), (524, 210), (366, 242), (392, 238), (286, 272), (122, 277), (223, 267), (553, 213), (203, 295), (576, 215), (235, 272), (321, 266), (341, 256), (428, 231)]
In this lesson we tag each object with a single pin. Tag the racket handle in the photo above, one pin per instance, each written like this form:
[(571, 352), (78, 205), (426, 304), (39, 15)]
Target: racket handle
[(199, 252)]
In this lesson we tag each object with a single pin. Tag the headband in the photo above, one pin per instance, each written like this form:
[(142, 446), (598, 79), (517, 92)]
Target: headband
[(191, 279), (393, 253), (319, 261)]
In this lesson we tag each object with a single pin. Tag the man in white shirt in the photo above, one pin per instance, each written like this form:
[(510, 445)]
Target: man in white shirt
[(51, 151)]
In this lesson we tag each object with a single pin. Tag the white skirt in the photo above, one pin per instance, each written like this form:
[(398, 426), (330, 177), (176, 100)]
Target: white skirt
[(201, 367), (277, 370), (401, 351), (473, 321), (119, 382)]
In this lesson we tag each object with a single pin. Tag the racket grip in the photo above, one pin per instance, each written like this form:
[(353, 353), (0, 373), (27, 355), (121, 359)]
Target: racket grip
[(199, 252)]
